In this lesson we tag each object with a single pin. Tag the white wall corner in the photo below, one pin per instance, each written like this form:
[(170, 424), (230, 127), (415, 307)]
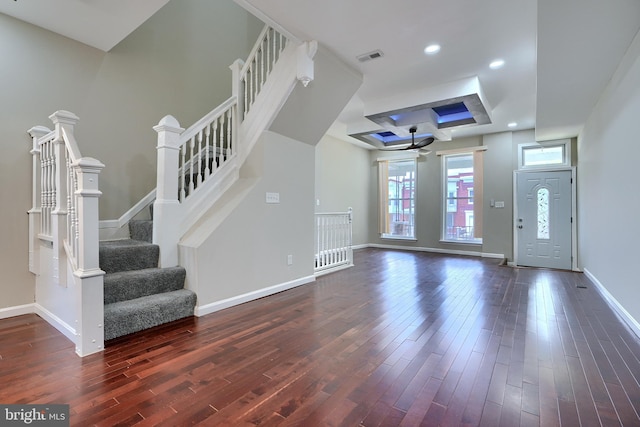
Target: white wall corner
[(17, 310), (614, 304), (63, 327)]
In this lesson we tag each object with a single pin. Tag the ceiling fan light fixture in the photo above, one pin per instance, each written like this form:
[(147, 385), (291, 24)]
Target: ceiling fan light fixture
[(432, 49)]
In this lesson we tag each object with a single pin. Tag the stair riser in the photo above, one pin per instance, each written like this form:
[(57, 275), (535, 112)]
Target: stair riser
[(128, 258), (129, 285), (126, 317)]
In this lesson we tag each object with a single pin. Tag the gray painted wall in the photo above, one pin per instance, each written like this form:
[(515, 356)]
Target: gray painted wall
[(608, 201), (248, 250), (342, 181), (500, 160), (175, 63)]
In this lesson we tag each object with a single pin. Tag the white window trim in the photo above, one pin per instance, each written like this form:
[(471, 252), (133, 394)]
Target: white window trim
[(444, 154), (466, 150), (565, 143), (405, 156), (399, 156)]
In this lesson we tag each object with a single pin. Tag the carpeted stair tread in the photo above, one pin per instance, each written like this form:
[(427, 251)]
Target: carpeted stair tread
[(125, 317), (126, 255), (126, 285), (141, 230)]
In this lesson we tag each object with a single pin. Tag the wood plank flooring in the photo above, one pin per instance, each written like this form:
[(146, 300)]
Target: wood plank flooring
[(401, 339)]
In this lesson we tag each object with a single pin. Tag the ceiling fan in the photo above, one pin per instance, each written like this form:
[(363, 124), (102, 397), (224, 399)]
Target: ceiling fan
[(414, 145)]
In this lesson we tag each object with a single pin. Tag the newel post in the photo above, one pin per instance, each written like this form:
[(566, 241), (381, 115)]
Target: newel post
[(237, 88), (90, 309), (350, 225), (35, 212), (61, 120), (166, 206)]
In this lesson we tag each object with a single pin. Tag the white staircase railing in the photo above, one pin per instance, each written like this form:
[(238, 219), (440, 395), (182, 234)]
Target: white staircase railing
[(262, 59), (63, 224), (333, 241), (206, 147), (196, 166)]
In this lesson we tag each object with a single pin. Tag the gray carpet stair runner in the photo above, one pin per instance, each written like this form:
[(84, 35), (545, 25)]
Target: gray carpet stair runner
[(137, 294)]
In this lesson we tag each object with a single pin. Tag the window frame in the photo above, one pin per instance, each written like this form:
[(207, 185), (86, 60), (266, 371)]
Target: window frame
[(477, 193), (566, 154), (405, 158)]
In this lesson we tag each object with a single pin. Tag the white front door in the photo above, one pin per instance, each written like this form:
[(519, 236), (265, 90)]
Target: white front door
[(543, 221)]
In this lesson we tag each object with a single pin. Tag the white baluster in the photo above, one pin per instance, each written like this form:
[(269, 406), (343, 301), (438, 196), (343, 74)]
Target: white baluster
[(229, 141), (199, 156), (44, 188), (269, 51), (191, 165), (261, 60), (216, 156), (183, 172), (207, 166)]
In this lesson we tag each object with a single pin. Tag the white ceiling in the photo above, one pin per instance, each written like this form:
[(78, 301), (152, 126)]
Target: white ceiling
[(552, 77)]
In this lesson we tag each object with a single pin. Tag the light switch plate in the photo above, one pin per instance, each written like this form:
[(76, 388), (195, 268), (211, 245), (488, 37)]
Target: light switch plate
[(273, 198)]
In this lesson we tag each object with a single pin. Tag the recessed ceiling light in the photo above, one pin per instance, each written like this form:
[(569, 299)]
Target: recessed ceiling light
[(431, 49), (512, 124), (498, 63)]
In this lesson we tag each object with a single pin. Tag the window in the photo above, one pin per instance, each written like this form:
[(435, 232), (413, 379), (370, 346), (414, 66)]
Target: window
[(546, 154), (397, 188), (462, 216)]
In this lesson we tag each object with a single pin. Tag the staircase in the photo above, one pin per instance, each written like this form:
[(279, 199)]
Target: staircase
[(95, 291), (137, 294)]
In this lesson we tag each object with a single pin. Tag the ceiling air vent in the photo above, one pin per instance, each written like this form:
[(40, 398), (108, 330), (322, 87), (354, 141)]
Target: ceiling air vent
[(369, 56)]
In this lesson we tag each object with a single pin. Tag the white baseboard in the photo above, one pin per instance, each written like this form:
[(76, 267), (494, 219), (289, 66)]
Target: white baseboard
[(333, 269), (250, 296), (56, 322), (438, 250), (17, 310), (614, 303)]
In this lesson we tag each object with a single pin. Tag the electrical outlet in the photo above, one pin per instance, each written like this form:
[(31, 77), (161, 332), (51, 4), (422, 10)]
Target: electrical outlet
[(499, 204), (289, 259)]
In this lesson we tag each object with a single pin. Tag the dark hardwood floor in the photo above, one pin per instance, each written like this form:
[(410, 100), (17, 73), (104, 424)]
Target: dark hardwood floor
[(401, 339)]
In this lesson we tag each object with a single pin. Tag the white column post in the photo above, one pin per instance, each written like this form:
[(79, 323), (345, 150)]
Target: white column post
[(166, 218), (305, 53), (90, 312), (237, 88), (350, 249), (35, 212), (62, 120)]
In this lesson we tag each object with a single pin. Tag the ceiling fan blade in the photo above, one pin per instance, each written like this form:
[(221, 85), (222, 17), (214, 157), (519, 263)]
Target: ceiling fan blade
[(416, 146), (413, 146), (425, 142)]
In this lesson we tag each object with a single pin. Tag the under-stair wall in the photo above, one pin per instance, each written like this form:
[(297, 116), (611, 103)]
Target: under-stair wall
[(245, 248)]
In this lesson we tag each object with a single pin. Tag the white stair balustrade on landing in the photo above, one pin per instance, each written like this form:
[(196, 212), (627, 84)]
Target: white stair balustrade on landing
[(63, 234), (333, 241)]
